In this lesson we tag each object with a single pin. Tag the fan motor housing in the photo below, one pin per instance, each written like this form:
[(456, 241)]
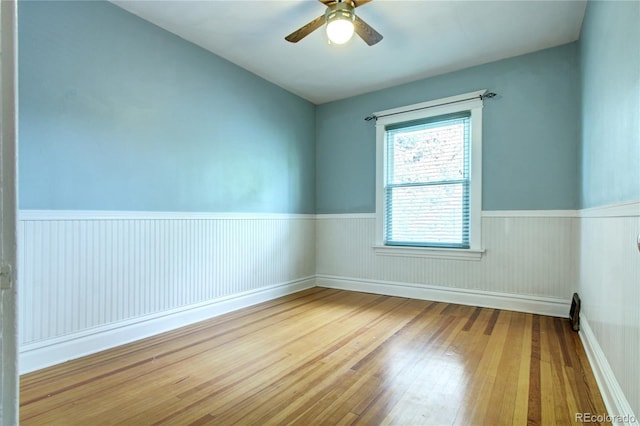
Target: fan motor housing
[(343, 10)]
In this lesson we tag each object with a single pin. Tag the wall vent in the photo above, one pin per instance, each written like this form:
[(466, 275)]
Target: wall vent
[(574, 313)]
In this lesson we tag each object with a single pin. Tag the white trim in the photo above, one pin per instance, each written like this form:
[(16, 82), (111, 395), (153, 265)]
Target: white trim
[(429, 252), (346, 216), (475, 192), (380, 179), (612, 394), (43, 354), (511, 302), (465, 102), (529, 213), (42, 215), (9, 318), (485, 213), (624, 209)]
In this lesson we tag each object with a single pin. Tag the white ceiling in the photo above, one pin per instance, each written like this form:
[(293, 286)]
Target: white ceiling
[(421, 38)]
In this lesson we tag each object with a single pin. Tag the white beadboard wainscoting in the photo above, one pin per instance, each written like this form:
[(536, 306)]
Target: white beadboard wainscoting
[(89, 281), (94, 280), (609, 286), (529, 263)]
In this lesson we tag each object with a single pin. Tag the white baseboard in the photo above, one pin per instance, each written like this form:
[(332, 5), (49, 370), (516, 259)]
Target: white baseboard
[(511, 302), (618, 406), (43, 354), (50, 352)]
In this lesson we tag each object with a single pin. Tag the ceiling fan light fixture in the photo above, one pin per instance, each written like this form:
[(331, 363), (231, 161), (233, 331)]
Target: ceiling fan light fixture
[(340, 19), (340, 23)]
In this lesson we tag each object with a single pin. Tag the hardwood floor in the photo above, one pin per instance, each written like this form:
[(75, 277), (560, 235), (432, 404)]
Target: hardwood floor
[(326, 356)]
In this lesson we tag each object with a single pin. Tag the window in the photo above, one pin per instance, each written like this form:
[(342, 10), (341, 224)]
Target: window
[(426, 189), (428, 200)]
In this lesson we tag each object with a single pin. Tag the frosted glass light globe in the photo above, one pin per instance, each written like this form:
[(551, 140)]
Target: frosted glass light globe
[(339, 31)]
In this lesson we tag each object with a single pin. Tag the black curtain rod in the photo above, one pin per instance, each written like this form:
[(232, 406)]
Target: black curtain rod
[(487, 95)]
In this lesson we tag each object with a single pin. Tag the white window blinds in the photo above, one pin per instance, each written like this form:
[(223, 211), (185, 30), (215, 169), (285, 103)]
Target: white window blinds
[(427, 182)]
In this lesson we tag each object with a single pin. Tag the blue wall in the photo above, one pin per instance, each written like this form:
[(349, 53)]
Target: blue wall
[(610, 63), (531, 134), (118, 114)]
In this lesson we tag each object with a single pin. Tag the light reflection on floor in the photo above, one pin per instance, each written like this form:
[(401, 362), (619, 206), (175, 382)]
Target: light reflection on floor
[(434, 390)]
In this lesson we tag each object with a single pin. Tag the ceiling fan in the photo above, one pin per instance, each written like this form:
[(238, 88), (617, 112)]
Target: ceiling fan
[(341, 22)]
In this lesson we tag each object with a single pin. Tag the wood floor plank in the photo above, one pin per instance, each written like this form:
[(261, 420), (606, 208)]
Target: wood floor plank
[(130, 356), (505, 388), (477, 401), (115, 380), (397, 383), (534, 409), (325, 356), (343, 364), (442, 373), (399, 356), (340, 375), (522, 395), (555, 407), (255, 395), (107, 359)]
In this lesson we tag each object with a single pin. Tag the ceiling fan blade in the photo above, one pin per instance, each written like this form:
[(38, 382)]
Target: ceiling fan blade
[(368, 34), (305, 30), (358, 3), (329, 2)]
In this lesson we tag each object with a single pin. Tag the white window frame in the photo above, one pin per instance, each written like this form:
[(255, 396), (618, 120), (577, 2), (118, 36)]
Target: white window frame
[(471, 102)]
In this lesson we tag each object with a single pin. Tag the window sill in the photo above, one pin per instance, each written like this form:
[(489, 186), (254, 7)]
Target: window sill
[(429, 252)]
